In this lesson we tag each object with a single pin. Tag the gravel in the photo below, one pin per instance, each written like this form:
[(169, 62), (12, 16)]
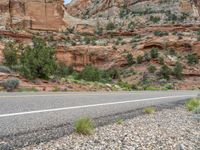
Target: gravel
[(169, 129)]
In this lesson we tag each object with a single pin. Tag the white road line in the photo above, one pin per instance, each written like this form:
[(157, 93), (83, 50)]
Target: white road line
[(92, 105)]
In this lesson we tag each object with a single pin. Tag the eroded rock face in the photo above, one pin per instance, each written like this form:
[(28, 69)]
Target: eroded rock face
[(82, 8), (32, 14)]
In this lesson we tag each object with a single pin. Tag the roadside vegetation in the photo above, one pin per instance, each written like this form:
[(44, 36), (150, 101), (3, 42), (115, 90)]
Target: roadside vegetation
[(84, 126), (149, 110), (193, 104)]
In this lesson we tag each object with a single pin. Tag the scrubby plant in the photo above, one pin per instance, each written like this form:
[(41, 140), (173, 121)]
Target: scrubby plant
[(130, 59), (90, 73), (38, 61), (110, 26), (139, 59), (154, 53), (165, 72), (152, 69), (149, 110), (192, 104), (5, 69), (62, 70), (147, 56), (120, 121), (155, 19), (192, 59), (160, 33), (161, 61), (10, 84), (178, 70), (84, 126), (10, 54), (125, 85)]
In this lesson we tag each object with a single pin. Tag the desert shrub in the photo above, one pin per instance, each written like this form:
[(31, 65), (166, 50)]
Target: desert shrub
[(90, 73), (192, 104), (149, 110), (87, 40), (147, 56), (161, 61), (154, 19), (178, 70), (125, 85), (139, 59), (38, 61), (62, 70), (110, 26), (120, 121), (160, 33), (130, 59), (192, 59), (5, 69), (165, 72), (11, 84), (84, 126), (10, 54), (154, 53), (152, 69), (113, 73), (131, 25), (99, 30)]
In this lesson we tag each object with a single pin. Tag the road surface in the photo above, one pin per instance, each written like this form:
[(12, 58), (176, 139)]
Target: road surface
[(27, 112)]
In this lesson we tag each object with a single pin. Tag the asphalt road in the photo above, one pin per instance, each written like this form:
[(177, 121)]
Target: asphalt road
[(27, 112)]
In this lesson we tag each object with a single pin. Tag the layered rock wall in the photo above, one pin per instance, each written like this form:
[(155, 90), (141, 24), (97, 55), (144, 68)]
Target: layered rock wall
[(32, 14)]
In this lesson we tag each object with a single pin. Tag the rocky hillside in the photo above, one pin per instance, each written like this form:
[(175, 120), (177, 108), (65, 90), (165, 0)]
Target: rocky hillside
[(94, 8), (142, 40)]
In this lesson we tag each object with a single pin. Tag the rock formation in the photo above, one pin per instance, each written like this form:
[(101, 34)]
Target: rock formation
[(32, 14)]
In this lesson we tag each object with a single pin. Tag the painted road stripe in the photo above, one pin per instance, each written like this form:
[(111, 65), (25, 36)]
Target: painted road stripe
[(92, 105)]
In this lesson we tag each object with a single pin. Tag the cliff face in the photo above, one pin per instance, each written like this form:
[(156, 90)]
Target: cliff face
[(82, 8), (32, 14)]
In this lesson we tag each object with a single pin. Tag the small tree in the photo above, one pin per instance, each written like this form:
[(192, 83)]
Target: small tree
[(90, 73), (152, 69), (154, 53), (10, 54), (192, 59), (38, 61), (110, 26), (130, 59), (178, 71), (139, 59), (165, 72)]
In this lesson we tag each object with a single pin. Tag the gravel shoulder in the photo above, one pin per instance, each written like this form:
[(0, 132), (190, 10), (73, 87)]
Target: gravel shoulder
[(168, 129)]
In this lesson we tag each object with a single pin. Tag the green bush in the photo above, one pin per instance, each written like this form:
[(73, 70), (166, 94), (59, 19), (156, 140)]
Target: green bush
[(130, 59), (154, 19), (62, 70), (139, 59), (165, 72), (149, 110), (38, 61), (10, 54), (178, 71), (84, 126), (152, 69), (90, 73), (154, 53), (10, 84), (192, 59), (192, 104), (110, 26), (160, 33)]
